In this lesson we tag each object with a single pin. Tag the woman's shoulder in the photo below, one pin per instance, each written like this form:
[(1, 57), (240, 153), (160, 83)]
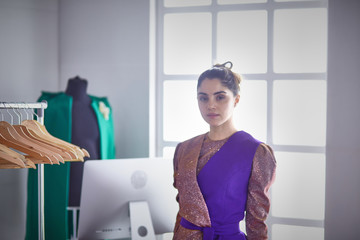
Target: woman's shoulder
[(265, 153), (190, 144), (193, 139), (248, 136), (263, 150)]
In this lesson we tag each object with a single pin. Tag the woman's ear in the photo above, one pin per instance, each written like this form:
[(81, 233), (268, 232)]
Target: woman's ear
[(237, 99)]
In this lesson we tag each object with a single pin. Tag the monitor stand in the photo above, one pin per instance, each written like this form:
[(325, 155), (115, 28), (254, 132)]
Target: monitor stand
[(140, 221)]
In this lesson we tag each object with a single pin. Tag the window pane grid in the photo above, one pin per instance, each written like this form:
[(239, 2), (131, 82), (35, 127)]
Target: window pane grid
[(277, 225), (296, 222), (215, 7)]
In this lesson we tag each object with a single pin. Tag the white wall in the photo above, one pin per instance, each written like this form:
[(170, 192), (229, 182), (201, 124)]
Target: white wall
[(43, 43), (342, 213), (28, 47), (107, 43), (28, 62)]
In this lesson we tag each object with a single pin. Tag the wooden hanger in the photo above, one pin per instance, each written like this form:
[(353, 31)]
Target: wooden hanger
[(13, 154), (83, 151), (9, 162), (10, 158), (68, 154), (40, 131), (33, 131), (48, 150), (44, 146), (54, 157), (6, 161), (29, 164), (10, 138), (54, 154)]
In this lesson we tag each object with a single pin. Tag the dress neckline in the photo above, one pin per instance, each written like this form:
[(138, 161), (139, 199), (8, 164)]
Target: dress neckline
[(208, 139)]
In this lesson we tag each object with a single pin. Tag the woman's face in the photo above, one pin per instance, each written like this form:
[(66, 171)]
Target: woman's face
[(216, 102)]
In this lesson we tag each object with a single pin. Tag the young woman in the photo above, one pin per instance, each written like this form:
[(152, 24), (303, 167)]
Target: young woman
[(223, 173)]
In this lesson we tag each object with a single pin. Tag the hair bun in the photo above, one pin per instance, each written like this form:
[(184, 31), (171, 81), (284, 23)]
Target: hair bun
[(224, 65)]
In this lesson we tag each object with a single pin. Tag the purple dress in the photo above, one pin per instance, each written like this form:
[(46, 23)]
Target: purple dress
[(221, 185)]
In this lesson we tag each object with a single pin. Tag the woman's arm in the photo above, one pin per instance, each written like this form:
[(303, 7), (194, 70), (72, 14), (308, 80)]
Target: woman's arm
[(175, 163), (258, 201)]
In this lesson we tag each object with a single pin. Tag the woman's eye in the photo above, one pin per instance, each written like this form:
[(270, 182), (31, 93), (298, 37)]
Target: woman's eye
[(203, 99), (220, 97)]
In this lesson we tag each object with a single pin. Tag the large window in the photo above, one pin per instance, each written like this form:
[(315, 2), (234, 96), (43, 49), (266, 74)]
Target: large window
[(279, 47)]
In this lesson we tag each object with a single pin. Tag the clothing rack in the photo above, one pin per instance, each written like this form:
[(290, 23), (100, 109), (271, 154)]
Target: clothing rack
[(40, 107)]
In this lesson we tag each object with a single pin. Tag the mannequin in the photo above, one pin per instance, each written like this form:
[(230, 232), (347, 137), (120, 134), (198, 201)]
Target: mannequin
[(85, 120), (84, 133)]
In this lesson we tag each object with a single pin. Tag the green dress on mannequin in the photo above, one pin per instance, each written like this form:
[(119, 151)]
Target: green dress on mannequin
[(58, 121)]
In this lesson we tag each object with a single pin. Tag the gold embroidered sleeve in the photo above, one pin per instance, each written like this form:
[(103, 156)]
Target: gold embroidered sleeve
[(175, 163), (258, 201)]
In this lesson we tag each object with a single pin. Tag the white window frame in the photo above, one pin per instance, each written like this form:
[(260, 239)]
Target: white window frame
[(270, 77)]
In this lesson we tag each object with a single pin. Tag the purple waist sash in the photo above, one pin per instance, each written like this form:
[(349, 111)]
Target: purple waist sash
[(210, 232)]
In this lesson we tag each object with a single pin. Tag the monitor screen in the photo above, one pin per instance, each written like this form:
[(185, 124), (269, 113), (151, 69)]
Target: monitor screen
[(108, 187)]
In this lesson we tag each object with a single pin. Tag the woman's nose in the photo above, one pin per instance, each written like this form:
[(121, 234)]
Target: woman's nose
[(211, 105)]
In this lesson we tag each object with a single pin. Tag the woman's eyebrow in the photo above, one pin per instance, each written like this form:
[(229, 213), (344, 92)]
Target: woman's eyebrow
[(215, 93), (220, 92)]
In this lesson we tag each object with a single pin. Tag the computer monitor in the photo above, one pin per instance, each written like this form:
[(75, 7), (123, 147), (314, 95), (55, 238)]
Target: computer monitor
[(110, 185)]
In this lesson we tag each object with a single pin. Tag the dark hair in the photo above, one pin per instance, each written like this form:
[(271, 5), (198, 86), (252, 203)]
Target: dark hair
[(227, 77)]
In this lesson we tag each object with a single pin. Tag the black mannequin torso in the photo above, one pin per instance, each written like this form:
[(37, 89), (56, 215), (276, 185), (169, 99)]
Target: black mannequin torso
[(84, 133), (85, 129)]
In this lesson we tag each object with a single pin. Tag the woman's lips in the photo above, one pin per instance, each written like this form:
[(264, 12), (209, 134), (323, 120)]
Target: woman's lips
[(212, 115)]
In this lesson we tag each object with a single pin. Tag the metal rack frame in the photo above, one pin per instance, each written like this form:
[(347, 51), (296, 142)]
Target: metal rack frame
[(40, 106)]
